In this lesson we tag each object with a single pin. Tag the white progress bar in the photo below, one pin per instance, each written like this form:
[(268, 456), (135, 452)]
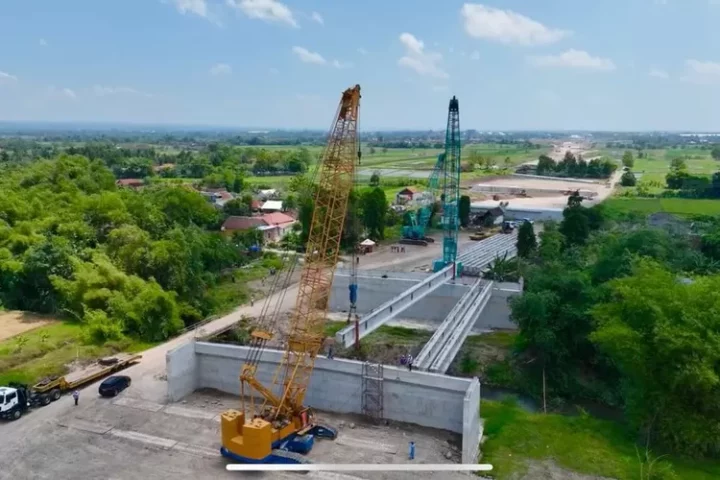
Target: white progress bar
[(375, 467)]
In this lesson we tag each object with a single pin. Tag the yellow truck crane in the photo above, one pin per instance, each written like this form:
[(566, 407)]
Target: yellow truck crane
[(16, 399), (281, 427)]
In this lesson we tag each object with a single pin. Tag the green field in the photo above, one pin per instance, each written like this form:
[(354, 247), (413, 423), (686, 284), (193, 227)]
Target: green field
[(47, 351), (579, 443), (676, 206), (653, 168)]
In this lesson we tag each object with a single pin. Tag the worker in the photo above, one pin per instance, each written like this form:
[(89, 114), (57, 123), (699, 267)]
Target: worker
[(411, 451), (409, 362), (76, 397), (252, 300)]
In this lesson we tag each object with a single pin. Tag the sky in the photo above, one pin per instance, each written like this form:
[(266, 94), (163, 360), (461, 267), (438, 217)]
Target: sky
[(513, 64)]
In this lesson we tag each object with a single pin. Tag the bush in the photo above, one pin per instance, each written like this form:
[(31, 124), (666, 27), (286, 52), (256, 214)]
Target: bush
[(628, 179), (100, 328)]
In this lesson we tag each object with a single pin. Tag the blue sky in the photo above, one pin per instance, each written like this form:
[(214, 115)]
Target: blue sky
[(513, 64)]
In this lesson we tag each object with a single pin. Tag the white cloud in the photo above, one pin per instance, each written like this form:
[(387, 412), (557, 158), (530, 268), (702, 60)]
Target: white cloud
[(475, 55), (221, 69), (197, 7), (416, 58), (657, 73), (102, 91), (318, 18), (307, 56), (4, 76), (68, 93), (61, 92), (362, 51), (339, 64), (42, 42), (573, 59), (701, 72), (267, 10), (508, 27)]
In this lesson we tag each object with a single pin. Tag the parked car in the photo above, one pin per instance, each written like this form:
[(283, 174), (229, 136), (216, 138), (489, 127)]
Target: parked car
[(112, 386)]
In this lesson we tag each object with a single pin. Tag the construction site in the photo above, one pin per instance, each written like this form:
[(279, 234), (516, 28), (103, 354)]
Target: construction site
[(282, 395)]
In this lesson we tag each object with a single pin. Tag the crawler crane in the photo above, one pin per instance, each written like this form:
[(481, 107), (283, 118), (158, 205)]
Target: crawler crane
[(282, 427)]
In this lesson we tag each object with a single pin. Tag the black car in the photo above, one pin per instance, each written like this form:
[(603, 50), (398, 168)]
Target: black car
[(111, 386)]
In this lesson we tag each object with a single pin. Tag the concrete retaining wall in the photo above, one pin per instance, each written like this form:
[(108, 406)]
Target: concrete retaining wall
[(182, 368), (473, 427), (560, 179), (430, 400)]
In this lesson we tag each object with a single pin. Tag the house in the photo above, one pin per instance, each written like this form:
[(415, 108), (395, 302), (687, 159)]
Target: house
[(270, 193), (494, 216), (216, 196), (272, 206), (130, 182), (405, 195), (239, 224), (273, 225), (277, 225), (256, 205)]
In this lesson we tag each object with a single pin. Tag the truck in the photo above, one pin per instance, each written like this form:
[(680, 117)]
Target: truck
[(16, 399)]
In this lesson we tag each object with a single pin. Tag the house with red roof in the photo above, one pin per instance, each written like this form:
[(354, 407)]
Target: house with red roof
[(273, 225)]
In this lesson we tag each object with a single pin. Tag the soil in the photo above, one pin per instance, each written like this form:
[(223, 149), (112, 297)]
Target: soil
[(14, 323), (548, 470)]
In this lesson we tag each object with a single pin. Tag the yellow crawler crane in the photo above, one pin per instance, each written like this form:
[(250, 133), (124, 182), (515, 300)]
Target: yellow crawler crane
[(282, 428)]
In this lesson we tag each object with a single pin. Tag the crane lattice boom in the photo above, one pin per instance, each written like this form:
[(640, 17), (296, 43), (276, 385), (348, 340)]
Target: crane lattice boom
[(284, 399)]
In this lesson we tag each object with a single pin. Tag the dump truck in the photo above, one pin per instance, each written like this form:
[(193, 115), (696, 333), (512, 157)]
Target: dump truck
[(16, 399)]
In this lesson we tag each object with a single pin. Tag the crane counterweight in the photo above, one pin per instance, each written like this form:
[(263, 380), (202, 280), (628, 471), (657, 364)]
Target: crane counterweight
[(282, 426)]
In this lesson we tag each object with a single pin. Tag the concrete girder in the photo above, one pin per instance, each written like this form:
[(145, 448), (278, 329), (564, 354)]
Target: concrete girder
[(438, 341), (442, 362), (393, 307)]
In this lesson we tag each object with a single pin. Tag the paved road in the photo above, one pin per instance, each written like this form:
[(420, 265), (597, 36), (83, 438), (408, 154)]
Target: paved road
[(148, 381)]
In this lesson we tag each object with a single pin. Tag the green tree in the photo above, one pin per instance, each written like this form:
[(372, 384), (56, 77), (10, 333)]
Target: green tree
[(236, 207), (628, 160), (464, 210), (526, 241), (628, 179), (290, 202), (658, 332), (375, 179), (575, 226), (374, 206), (715, 152)]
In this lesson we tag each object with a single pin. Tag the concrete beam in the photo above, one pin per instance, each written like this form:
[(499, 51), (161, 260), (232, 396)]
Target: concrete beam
[(439, 339), (459, 334), (390, 309)]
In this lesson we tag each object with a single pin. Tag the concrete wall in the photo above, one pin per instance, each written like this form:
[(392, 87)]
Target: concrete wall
[(426, 399), (519, 212), (182, 368), (473, 427), (560, 179), (374, 291)]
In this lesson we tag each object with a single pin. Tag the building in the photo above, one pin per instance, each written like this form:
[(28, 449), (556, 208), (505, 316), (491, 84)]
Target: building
[(217, 197), (239, 224), (256, 205), (130, 182), (277, 225), (406, 195), (269, 193), (272, 206), (495, 215), (273, 225)]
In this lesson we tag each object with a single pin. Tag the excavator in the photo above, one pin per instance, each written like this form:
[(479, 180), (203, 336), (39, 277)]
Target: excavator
[(279, 428)]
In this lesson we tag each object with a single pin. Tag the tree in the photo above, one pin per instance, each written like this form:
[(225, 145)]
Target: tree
[(464, 210), (372, 150), (715, 152), (237, 207), (678, 164), (658, 333), (546, 165), (628, 160), (237, 185), (290, 202), (526, 241), (375, 179), (374, 206), (628, 179), (575, 226)]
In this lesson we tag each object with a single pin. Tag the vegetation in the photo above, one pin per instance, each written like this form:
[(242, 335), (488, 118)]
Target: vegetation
[(577, 167), (605, 317), (526, 242), (121, 262), (580, 443)]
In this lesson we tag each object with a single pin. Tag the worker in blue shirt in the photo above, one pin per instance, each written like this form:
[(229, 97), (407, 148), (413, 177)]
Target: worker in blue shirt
[(411, 452)]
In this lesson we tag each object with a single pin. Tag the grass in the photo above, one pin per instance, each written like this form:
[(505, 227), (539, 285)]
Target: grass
[(499, 339), (227, 295), (579, 443), (46, 351), (676, 206)]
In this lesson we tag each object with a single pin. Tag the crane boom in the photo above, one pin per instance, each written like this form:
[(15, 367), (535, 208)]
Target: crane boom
[(283, 417)]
